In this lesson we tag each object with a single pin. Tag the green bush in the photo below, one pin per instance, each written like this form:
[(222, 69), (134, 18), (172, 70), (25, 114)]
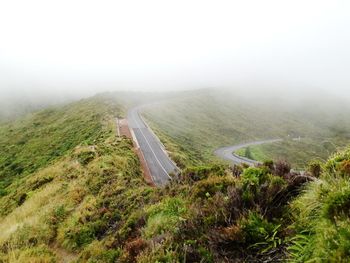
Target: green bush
[(164, 216), (251, 179), (40, 254), (255, 228), (208, 187), (337, 205), (96, 252), (315, 168), (84, 157), (322, 218), (198, 173)]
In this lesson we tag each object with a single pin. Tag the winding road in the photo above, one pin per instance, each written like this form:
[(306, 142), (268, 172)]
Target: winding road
[(158, 161), (227, 153)]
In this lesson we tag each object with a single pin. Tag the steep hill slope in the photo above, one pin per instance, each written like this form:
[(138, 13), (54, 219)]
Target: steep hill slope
[(40, 138), (66, 183)]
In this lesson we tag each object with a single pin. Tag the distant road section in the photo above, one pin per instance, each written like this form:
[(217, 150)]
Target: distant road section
[(227, 153), (158, 162)]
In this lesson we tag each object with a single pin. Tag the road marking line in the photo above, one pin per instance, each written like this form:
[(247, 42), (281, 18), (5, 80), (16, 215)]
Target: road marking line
[(228, 152), (162, 146), (154, 154), (150, 147)]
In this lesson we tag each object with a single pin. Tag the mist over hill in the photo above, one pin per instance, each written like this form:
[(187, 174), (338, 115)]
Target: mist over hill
[(174, 131), (71, 190), (204, 120)]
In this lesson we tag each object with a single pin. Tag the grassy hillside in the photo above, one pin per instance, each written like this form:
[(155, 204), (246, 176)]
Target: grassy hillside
[(15, 104), (37, 140), (91, 204), (78, 184), (297, 152), (203, 121)]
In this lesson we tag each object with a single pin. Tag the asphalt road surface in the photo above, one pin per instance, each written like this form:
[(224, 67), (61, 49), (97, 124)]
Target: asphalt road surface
[(156, 158), (227, 153)]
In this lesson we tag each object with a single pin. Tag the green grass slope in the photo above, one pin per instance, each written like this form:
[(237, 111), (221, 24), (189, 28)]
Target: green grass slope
[(297, 152), (91, 204), (202, 121), (37, 140), (78, 184)]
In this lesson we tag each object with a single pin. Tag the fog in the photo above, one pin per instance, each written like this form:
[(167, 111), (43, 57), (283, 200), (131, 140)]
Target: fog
[(59, 49)]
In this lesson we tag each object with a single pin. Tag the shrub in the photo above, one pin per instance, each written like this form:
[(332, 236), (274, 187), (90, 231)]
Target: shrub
[(58, 214), (208, 187), (335, 162), (135, 247), (269, 164), (164, 216), (251, 179), (39, 254), (345, 167), (22, 198), (282, 168), (87, 223), (256, 228), (132, 224), (236, 170), (97, 252), (322, 217), (337, 205), (253, 176), (159, 253), (273, 195), (232, 235), (202, 172), (77, 237), (315, 168), (248, 153), (86, 154), (235, 203), (39, 182), (29, 236)]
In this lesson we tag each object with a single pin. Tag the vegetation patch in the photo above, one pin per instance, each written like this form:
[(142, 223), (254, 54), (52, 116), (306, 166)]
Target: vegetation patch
[(322, 217), (164, 217), (86, 200)]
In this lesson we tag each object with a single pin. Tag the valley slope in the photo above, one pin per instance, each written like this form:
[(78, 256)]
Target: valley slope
[(202, 121)]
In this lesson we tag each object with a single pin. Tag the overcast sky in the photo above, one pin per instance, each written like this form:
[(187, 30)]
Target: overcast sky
[(91, 46)]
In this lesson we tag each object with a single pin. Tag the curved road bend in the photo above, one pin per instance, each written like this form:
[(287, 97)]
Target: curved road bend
[(227, 153), (156, 158)]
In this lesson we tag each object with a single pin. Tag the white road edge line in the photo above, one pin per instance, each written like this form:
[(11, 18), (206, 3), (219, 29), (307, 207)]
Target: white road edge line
[(154, 154), (139, 148), (168, 160), (153, 151)]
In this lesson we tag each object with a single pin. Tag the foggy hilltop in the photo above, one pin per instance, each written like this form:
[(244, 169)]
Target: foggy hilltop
[(174, 131), (165, 46), (250, 46)]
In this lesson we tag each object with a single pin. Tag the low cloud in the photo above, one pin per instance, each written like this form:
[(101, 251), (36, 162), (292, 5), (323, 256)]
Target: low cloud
[(82, 47)]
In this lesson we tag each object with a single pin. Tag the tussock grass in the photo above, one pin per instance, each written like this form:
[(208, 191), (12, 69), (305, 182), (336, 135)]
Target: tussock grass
[(164, 217), (67, 201), (31, 212), (321, 216), (36, 141)]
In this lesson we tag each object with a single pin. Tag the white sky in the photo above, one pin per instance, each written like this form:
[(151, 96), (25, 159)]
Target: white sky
[(80, 45)]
